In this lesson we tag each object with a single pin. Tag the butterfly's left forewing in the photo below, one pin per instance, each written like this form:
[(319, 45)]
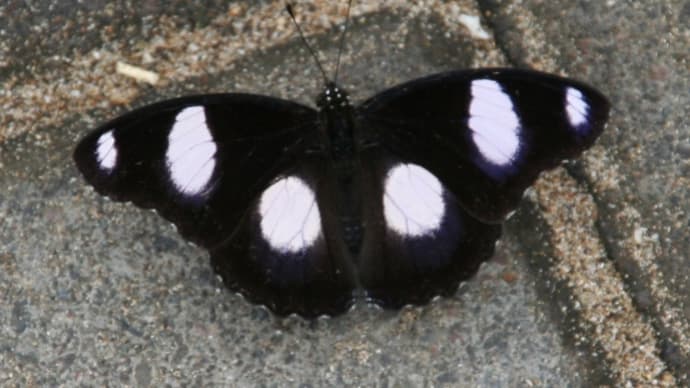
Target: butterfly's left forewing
[(199, 160)]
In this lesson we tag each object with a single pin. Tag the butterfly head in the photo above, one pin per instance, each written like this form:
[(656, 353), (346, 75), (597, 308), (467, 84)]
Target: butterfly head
[(333, 98)]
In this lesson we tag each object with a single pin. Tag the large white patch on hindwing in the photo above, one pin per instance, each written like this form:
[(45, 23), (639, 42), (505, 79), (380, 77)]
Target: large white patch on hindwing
[(413, 203), (190, 157), (289, 216)]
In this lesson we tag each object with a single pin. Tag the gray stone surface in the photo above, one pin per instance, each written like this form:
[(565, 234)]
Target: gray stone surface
[(94, 292)]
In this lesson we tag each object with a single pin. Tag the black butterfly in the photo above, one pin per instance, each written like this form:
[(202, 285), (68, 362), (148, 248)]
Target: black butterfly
[(395, 200)]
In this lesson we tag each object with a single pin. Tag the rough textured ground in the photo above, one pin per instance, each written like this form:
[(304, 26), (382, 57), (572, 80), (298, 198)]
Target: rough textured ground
[(589, 286)]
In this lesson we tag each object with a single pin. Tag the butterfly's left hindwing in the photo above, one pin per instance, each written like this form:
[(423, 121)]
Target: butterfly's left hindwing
[(287, 253), (487, 133), (199, 160)]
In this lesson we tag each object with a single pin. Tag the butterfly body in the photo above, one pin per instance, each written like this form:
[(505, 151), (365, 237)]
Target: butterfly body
[(395, 200)]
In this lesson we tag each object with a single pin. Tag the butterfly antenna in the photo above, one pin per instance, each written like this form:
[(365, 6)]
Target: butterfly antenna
[(342, 41), (288, 7)]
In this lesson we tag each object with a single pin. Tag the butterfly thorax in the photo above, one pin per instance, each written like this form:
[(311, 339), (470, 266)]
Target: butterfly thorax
[(333, 98), (337, 124)]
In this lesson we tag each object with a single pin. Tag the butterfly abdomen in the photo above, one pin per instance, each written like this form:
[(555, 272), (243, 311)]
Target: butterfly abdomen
[(349, 210)]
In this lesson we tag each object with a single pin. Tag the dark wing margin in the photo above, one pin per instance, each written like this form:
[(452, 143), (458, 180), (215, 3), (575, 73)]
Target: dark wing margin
[(487, 133), (198, 160)]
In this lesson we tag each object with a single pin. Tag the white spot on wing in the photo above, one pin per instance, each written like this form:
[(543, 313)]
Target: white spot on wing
[(290, 218), (494, 123), (576, 107), (413, 202), (106, 153), (191, 151)]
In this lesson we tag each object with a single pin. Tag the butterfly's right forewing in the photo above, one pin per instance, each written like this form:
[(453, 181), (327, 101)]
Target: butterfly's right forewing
[(487, 133)]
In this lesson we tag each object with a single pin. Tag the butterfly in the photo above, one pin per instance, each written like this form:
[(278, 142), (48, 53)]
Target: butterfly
[(306, 211)]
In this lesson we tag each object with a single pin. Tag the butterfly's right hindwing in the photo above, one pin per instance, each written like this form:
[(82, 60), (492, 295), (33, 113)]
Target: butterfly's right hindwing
[(419, 241), (200, 160)]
